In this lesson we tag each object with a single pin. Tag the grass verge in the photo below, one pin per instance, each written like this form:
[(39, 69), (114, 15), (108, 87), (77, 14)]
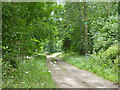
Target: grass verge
[(31, 73), (83, 62)]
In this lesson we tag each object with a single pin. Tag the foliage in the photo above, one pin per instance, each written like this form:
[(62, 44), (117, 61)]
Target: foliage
[(102, 38), (108, 57), (66, 44), (75, 26), (17, 29), (30, 29), (102, 29), (98, 66), (31, 73), (27, 27), (106, 35)]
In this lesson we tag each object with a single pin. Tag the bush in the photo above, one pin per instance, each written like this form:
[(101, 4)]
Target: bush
[(107, 62), (104, 32), (108, 58)]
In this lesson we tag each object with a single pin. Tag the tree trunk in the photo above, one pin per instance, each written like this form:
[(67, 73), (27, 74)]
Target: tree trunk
[(86, 29)]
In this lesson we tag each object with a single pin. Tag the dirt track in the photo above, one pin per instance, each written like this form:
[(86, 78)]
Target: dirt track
[(67, 76)]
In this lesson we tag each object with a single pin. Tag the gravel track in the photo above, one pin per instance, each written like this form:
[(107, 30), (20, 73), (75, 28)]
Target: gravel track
[(67, 76)]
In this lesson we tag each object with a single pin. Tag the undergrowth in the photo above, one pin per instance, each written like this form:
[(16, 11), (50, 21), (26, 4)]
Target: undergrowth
[(31, 73), (104, 63)]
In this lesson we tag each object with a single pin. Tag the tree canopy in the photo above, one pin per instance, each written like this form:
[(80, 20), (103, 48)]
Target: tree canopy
[(29, 28)]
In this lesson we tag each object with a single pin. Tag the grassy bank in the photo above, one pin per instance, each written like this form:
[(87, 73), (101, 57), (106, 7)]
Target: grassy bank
[(31, 73), (83, 62)]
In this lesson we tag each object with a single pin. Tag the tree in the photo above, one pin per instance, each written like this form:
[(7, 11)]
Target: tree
[(26, 27), (86, 27)]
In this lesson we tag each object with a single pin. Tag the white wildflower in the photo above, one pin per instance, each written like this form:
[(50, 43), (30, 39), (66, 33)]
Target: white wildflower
[(49, 71), (27, 72), (22, 82), (28, 57)]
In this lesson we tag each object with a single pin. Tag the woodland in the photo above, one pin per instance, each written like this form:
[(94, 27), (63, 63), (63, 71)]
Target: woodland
[(30, 30)]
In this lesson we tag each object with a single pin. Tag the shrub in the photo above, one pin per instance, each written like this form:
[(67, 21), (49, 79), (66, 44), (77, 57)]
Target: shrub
[(104, 32), (108, 58)]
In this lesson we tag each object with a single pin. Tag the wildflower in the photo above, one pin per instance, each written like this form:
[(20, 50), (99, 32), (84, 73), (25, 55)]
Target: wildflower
[(27, 72), (28, 57), (22, 82), (49, 71)]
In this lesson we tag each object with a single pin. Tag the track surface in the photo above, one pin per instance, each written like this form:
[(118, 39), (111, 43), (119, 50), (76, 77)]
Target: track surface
[(67, 76)]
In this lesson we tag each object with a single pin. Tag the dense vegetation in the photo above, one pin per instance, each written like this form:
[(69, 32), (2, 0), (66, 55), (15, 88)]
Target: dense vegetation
[(27, 30), (100, 64), (32, 73), (30, 29)]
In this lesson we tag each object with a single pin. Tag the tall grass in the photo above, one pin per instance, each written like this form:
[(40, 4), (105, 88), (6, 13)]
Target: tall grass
[(31, 73)]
